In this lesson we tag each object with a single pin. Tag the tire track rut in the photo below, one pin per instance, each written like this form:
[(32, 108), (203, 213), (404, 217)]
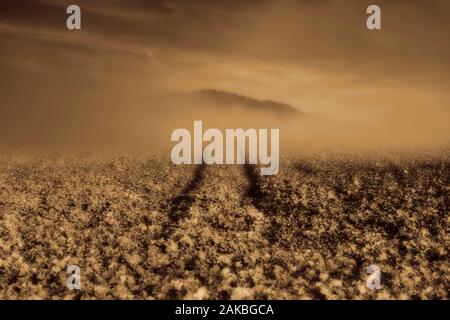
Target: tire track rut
[(262, 201), (219, 240), (179, 206)]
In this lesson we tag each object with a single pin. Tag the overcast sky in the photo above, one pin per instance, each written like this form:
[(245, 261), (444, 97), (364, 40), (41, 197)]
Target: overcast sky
[(317, 55)]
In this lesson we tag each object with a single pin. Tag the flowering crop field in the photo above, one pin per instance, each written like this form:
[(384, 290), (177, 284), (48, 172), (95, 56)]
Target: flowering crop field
[(143, 228)]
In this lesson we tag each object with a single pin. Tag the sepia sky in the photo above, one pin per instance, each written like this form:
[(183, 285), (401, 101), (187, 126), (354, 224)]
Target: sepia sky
[(316, 55)]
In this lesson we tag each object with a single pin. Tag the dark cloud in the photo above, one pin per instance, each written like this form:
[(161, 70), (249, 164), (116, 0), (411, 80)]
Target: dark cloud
[(298, 31)]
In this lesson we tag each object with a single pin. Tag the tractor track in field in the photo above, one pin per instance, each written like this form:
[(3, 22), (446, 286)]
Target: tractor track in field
[(218, 226), (256, 197), (143, 229), (179, 205)]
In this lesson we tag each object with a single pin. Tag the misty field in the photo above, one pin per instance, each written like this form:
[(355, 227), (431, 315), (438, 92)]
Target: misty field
[(141, 227)]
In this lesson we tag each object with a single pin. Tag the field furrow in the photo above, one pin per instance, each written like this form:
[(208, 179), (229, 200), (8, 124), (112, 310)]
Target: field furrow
[(100, 214), (217, 245), (144, 228), (343, 215)]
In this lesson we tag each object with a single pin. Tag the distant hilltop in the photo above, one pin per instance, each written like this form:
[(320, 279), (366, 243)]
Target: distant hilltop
[(228, 99)]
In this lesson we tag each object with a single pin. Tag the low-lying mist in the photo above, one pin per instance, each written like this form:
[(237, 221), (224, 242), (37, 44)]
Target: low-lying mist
[(146, 122)]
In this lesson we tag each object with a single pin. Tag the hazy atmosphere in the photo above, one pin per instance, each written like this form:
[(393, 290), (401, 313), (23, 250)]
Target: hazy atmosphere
[(89, 180), (387, 87)]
